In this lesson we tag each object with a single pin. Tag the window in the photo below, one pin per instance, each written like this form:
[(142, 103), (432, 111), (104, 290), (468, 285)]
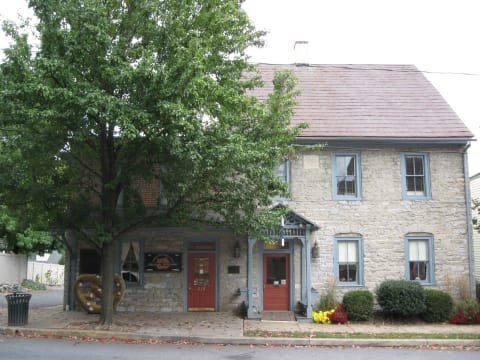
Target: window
[(131, 262), (348, 260), (283, 172), (415, 176), (419, 258), (346, 176)]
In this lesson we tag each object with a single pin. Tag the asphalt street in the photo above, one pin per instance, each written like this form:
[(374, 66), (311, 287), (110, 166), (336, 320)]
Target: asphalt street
[(40, 299), (15, 348)]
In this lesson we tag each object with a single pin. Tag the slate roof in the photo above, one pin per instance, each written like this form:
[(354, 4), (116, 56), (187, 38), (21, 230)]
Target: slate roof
[(368, 101)]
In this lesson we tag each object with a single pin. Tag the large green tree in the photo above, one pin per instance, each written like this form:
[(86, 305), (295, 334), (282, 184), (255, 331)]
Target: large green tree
[(116, 91)]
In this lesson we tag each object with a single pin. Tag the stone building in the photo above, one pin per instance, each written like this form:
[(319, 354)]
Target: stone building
[(475, 194), (385, 198)]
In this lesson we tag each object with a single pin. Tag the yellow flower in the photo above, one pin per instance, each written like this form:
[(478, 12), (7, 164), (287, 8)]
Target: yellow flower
[(321, 317)]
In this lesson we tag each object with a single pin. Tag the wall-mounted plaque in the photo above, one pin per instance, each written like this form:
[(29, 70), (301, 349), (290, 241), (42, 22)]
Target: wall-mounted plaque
[(163, 262)]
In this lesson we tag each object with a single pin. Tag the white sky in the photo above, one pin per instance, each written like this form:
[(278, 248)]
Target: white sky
[(435, 35)]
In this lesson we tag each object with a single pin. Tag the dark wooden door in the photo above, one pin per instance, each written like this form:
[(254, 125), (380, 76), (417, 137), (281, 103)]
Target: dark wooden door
[(201, 282), (276, 282)]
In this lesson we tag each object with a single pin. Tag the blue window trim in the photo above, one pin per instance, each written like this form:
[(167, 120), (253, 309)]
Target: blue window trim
[(358, 177), (431, 258), (141, 261), (360, 280), (287, 179), (426, 168)]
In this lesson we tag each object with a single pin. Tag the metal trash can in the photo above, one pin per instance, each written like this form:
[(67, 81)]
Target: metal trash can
[(18, 308)]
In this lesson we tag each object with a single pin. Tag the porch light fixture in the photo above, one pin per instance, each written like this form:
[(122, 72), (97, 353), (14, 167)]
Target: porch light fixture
[(315, 251), (236, 250)]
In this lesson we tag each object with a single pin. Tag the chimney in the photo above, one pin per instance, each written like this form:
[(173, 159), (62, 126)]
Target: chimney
[(301, 53)]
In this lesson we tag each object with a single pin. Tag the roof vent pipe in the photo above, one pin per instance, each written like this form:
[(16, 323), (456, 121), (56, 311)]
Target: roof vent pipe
[(301, 53)]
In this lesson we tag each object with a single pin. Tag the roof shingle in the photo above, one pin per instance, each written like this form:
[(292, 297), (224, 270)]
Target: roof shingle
[(368, 101)]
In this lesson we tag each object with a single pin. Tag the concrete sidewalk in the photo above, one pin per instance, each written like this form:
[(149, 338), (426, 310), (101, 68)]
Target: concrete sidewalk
[(227, 328)]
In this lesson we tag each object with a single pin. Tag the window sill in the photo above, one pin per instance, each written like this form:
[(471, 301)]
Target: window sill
[(416, 198), (349, 285)]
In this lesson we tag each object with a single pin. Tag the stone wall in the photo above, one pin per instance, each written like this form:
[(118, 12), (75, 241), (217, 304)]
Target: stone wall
[(166, 291), (382, 218)]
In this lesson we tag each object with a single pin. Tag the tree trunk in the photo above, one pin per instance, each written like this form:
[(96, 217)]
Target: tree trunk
[(108, 272)]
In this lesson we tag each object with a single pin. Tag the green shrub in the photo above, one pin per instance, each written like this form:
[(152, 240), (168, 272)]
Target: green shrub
[(358, 305), (401, 298), (439, 306), (33, 285)]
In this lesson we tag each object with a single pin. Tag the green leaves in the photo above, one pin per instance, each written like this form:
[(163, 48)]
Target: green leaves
[(121, 89)]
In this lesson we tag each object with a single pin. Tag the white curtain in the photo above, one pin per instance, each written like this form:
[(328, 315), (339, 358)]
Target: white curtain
[(418, 250), (135, 245), (347, 251)]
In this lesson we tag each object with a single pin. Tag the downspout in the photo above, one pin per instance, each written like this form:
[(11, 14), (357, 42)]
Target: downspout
[(468, 208)]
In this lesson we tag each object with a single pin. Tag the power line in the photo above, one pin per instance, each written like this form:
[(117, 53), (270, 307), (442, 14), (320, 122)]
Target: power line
[(354, 67)]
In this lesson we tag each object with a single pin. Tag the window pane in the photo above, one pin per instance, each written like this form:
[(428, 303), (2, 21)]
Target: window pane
[(347, 251), (276, 269), (201, 273), (352, 273), (419, 165), (346, 175), (419, 188), (280, 171), (415, 176), (342, 273), (350, 165), (411, 184), (345, 165), (418, 250), (350, 187), (130, 261), (409, 165), (346, 186), (347, 272), (342, 252), (352, 251), (415, 185), (418, 270), (347, 261)]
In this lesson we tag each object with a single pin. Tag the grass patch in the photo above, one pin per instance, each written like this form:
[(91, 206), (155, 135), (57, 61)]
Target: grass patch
[(323, 335)]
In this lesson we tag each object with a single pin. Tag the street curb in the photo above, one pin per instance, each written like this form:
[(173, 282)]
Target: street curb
[(105, 335)]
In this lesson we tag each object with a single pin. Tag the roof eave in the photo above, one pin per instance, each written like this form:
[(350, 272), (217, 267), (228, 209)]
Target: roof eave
[(390, 140)]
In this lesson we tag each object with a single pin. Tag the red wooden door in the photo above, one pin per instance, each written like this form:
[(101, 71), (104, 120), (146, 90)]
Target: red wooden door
[(201, 282), (276, 282)]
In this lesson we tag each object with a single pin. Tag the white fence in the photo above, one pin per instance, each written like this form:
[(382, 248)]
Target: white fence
[(50, 274)]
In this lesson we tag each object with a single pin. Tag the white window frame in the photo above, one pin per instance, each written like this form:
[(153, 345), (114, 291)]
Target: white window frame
[(357, 177), (359, 260), (426, 195), (286, 176), (428, 258), (141, 262)]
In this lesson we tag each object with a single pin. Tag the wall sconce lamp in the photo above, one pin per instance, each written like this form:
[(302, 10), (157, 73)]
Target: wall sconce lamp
[(236, 250), (315, 251)]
